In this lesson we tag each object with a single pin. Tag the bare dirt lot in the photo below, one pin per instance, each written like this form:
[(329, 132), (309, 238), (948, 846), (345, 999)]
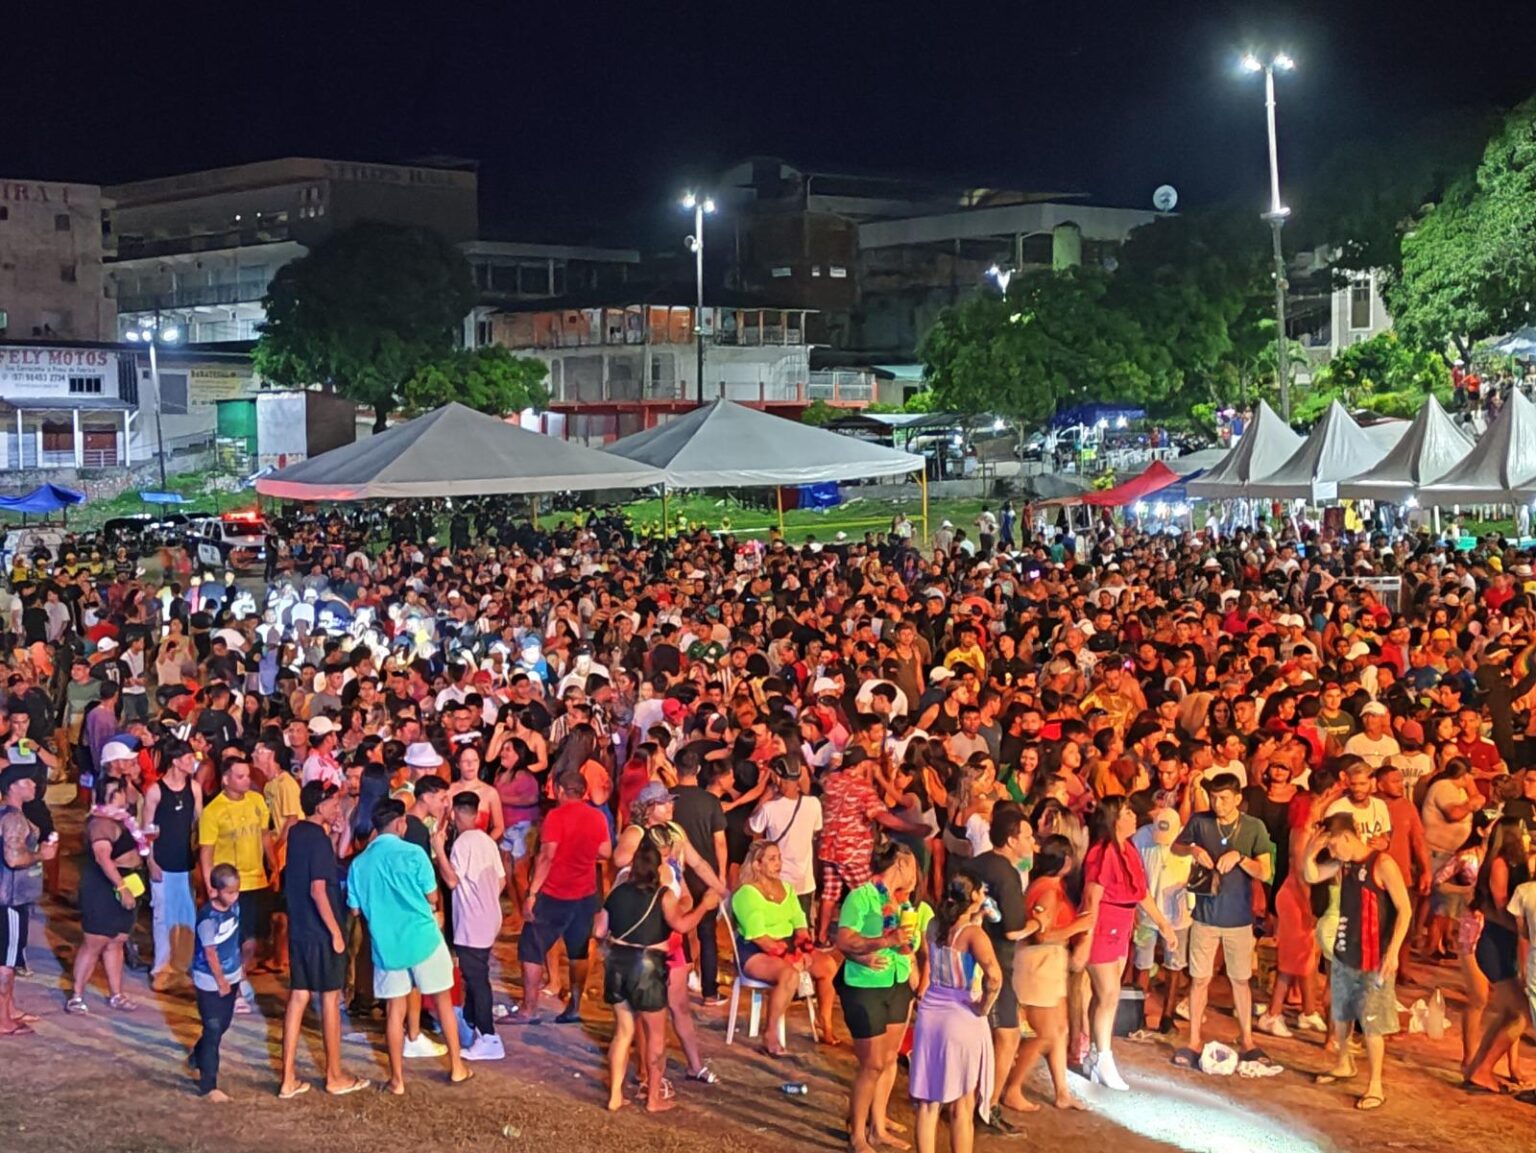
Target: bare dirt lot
[(117, 1083)]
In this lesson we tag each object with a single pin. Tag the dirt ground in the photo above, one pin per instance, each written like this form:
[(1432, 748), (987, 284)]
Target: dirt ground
[(117, 1083)]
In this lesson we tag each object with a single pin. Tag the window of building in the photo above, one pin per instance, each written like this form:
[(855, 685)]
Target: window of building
[(67, 273), (61, 222), (1360, 304), (533, 280), (838, 272), (782, 271), (173, 393), (85, 385)]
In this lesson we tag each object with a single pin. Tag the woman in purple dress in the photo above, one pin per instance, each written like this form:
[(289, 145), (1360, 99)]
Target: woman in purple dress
[(951, 1041)]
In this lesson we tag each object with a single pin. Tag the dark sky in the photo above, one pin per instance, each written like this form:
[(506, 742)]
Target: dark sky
[(600, 110)]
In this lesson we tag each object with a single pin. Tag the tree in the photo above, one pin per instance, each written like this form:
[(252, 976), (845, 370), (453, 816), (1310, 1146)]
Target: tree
[(1051, 340), (488, 379), (363, 312), (819, 414), (1469, 261)]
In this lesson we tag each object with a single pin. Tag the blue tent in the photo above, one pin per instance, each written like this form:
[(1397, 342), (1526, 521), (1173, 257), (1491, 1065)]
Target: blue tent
[(43, 499), (1091, 414)]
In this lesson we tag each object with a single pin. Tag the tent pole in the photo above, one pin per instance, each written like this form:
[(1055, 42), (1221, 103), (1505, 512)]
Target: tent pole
[(922, 481), (665, 531), (778, 493), (533, 502)]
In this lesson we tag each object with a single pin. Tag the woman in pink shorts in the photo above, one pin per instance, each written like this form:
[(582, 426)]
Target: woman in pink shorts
[(1114, 885)]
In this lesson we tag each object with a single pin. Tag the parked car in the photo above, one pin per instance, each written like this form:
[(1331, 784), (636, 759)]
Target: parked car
[(236, 540)]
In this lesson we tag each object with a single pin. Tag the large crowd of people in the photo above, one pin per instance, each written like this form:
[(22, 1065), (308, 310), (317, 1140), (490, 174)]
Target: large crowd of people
[(999, 808)]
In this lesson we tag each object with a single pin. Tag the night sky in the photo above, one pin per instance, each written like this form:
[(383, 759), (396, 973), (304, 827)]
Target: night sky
[(587, 117)]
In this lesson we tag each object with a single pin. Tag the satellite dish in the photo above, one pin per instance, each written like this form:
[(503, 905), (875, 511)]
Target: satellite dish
[(1165, 198)]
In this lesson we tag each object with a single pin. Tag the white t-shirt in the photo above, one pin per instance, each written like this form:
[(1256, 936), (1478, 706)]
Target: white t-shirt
[(1371, 821), (978, 833), (1374, 751), (1522, 907), (477, 899), (795, 834)]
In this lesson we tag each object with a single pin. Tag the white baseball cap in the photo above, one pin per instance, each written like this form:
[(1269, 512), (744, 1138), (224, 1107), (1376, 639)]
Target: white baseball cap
[(320, 726)]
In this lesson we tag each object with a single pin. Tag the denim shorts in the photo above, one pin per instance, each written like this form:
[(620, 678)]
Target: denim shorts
[(514, 839), (1366, 998)]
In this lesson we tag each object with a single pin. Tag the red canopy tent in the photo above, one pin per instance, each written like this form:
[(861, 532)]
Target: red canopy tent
[(1157, 477)]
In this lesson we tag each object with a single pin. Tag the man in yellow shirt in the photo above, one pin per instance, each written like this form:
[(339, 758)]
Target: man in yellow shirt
[(236, 829), (967, 651), (1108, 695)]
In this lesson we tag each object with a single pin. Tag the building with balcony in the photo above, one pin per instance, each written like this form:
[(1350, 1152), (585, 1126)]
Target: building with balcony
[(874, 257), (51, 278), (615, 369), (203, 246)]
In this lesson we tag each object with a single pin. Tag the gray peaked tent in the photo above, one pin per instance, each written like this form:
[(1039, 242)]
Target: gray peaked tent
[(725, 445), (453, 451), (1500, 469), (1432, 446), (1268, 442), (1336, 449)]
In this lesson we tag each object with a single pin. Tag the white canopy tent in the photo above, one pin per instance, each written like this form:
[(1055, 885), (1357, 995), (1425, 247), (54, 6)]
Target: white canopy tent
[(1267, 443), (1335, 450), (1433, 445), (454, 451), (727, 445), (1500, 469)]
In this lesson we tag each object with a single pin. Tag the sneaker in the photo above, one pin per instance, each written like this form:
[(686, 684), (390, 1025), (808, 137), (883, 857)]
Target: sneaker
[(487, 1047), (423, 1046), (1312, 1023), (1275, 1027), (693, 982), (242, 1007)]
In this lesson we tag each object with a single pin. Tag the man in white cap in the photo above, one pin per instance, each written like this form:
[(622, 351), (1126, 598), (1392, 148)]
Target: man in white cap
[(1376, 743), (321, 764)]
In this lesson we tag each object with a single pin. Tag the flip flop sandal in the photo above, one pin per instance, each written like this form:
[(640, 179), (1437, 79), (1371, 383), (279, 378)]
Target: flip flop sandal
[(358, 1084), (123, 1003), (1186, 1059), (1334, 1078), (568, 1018), (1369, 1102), (297, 1091), (706, 1075), (668, 1091), (76, 1005)]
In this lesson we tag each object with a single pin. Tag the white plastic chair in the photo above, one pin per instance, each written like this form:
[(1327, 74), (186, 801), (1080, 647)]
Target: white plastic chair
[(758, 990)]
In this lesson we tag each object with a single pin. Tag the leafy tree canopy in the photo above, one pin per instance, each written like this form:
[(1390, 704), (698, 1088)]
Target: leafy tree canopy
[(488, 379), (364, 311)]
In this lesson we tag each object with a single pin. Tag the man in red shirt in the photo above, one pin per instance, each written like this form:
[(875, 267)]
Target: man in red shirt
[(562, 896), (1481, 753)]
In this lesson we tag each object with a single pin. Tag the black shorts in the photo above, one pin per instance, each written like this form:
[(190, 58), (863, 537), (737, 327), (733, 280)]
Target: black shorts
[(1005, 1010), (637, 978), (314, 967), (13, 934), (557, 920), (255, 914), (870, 1012)]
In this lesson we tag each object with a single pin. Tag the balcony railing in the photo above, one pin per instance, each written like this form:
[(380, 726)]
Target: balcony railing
[(246, 292), (837, 387)]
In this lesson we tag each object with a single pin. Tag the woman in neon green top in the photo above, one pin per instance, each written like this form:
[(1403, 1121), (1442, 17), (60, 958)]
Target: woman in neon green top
[(877, 932), (776, 945)]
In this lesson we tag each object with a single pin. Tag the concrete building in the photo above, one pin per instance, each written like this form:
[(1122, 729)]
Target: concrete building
[(91, 405), (618, 368), (51, 279), (1327, 311), (875, 257), (203, 246), (513, 272)]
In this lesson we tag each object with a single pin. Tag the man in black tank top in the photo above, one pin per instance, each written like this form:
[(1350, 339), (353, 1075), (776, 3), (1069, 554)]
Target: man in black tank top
[(172, 809), (1374, 915)]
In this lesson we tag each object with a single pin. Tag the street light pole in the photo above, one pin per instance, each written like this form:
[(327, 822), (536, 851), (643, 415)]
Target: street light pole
[(700, 206), (152, 333), (1276, 218)]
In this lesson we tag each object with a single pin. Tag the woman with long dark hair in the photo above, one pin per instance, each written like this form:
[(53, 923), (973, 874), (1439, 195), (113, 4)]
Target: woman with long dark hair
[(1040, 966), (874, 986), (638, 918), (1508, 865), (1114, 887), (951, 1063)]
